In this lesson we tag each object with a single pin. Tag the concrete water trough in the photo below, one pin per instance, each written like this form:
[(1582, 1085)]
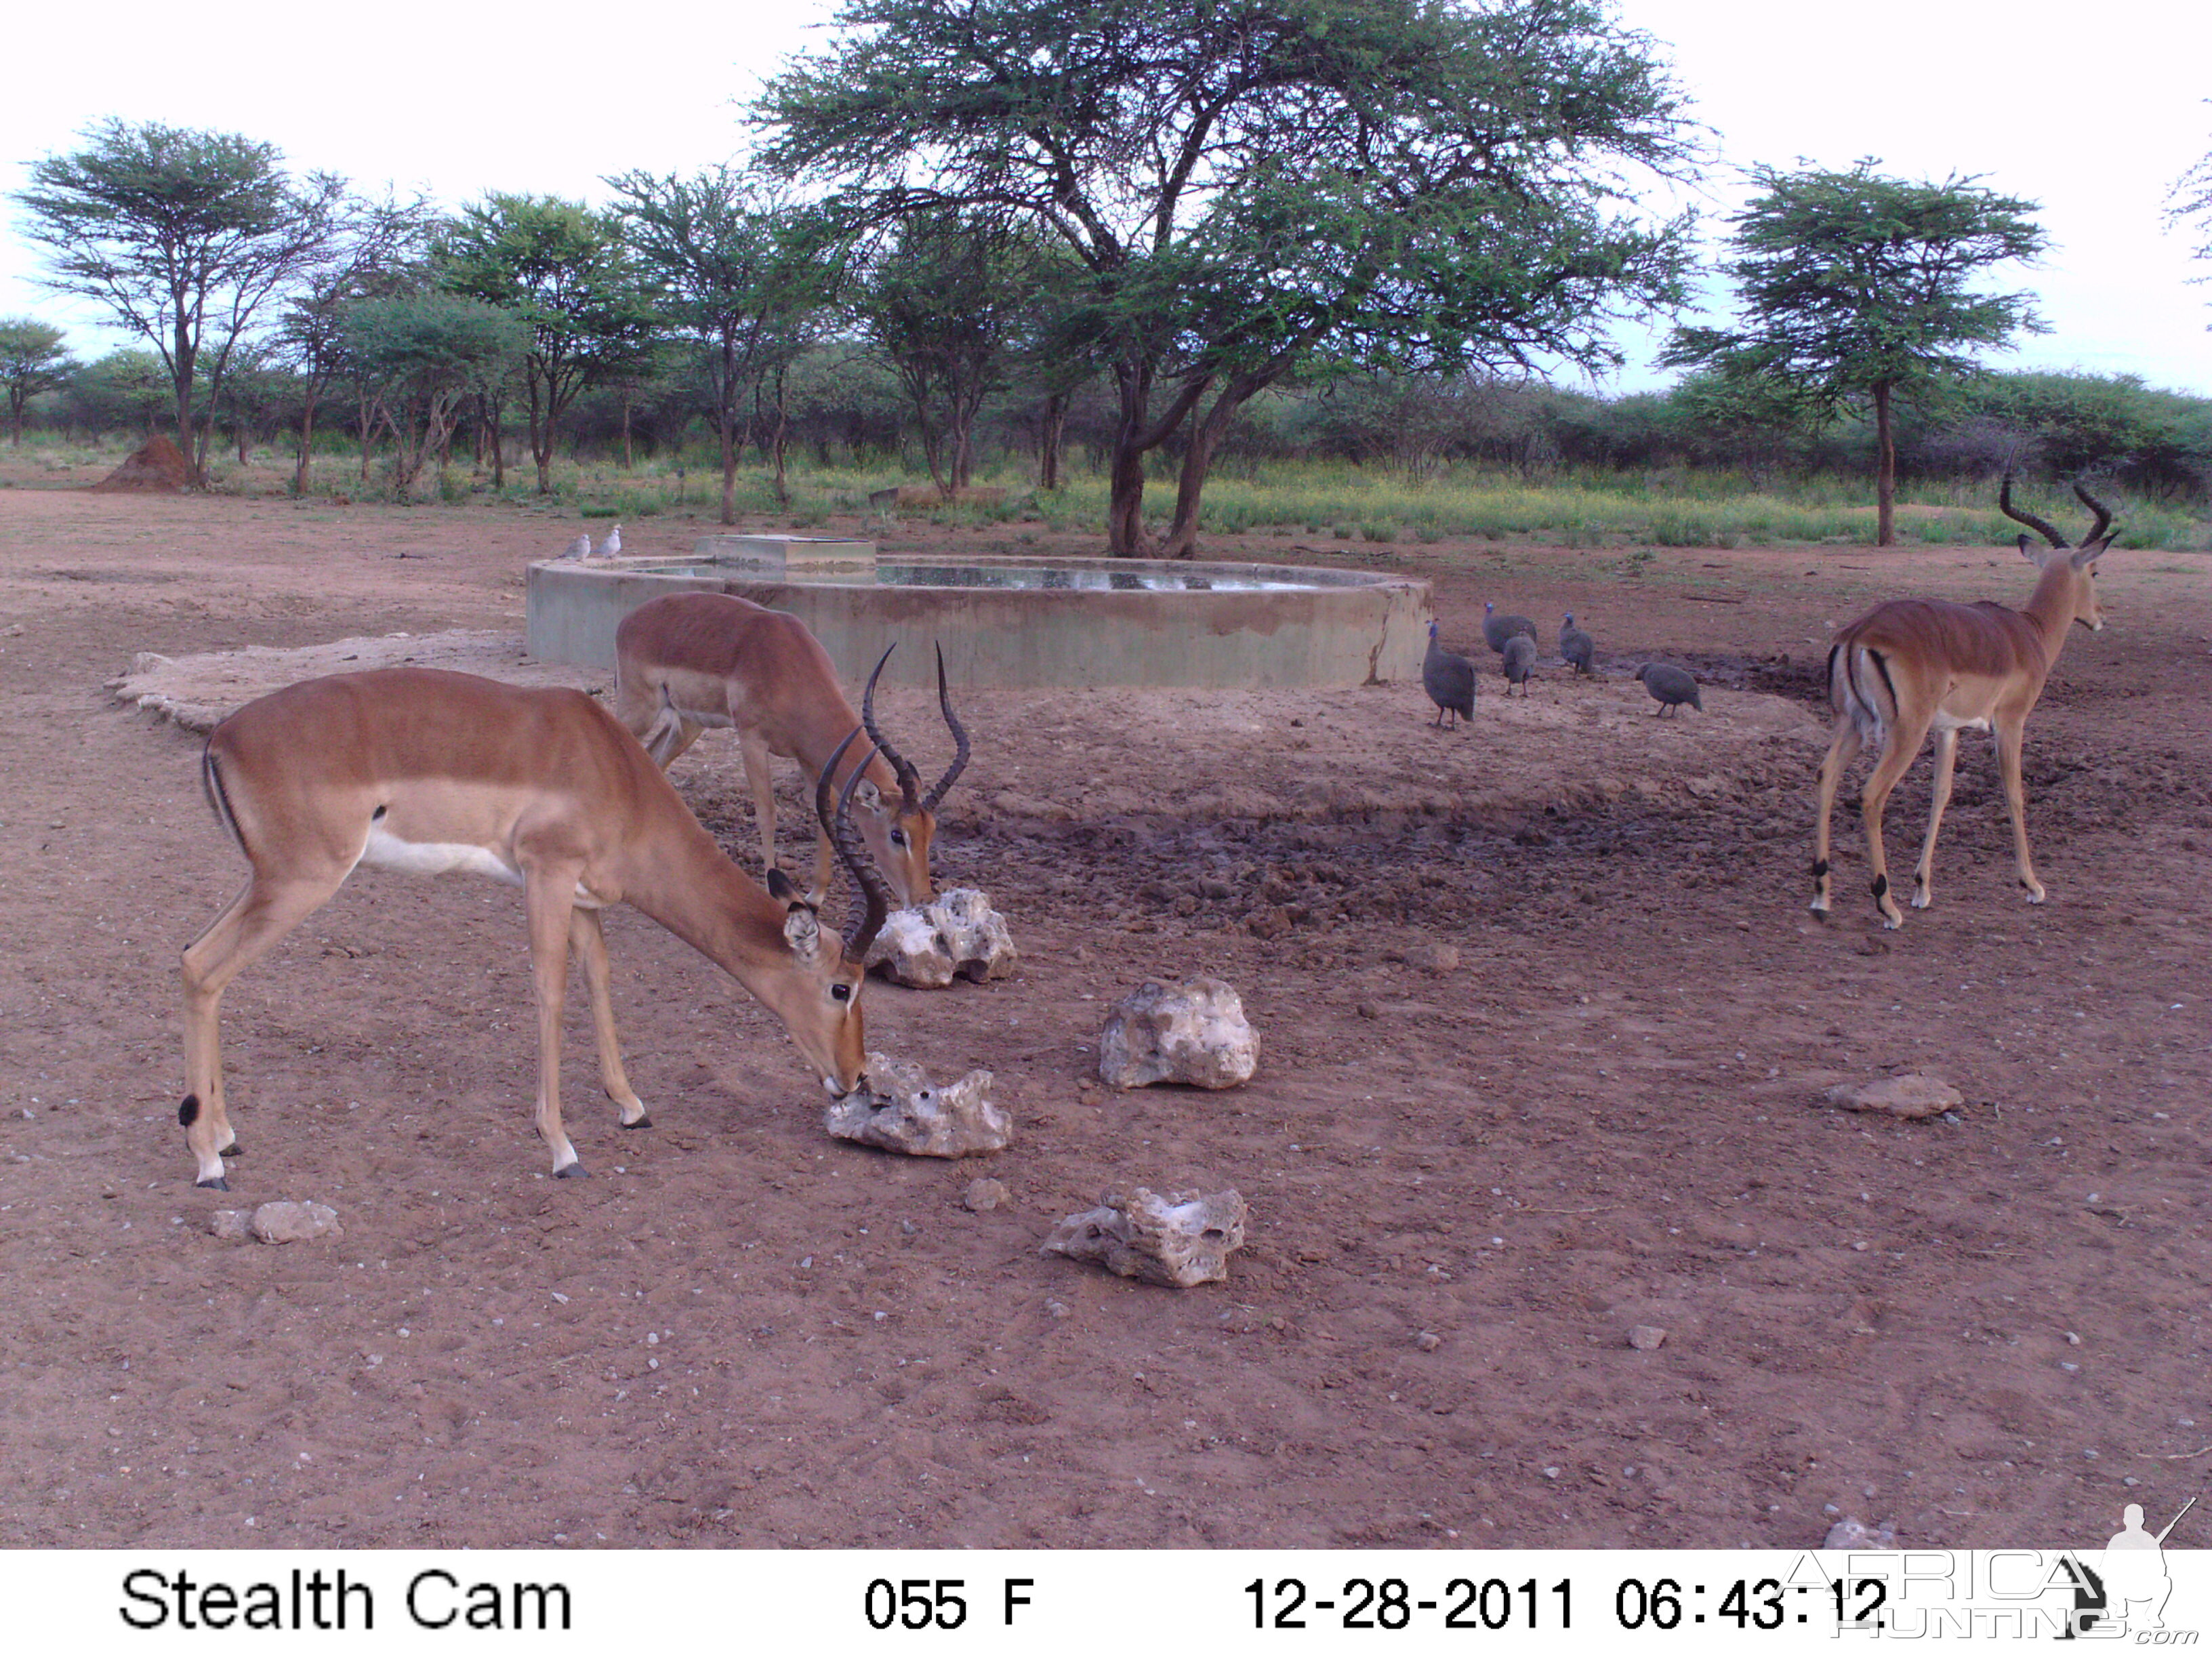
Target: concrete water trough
[(1016, 620)]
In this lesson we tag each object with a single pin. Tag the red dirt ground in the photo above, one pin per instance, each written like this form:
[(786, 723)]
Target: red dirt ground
[(1991, 1331)]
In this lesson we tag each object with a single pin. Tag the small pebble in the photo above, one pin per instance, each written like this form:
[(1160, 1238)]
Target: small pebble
[(1850, 1533), (1646, 1337), (1428, 1342)]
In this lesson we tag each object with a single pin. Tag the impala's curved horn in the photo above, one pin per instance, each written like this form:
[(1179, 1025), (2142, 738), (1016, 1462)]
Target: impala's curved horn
[(2005, 506), (959, 737), (837, 824), (2104, 513), (909, 779)]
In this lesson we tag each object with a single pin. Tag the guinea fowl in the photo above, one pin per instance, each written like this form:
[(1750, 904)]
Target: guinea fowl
[(1497, 629), (1520, 663), (1672, 686), (1576, 649), (1449, 678)]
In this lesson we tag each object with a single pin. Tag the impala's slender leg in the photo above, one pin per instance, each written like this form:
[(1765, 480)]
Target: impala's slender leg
[(549, 895), (1841, 753), (1924, 874), (248, 929), (753, 747), (588, 940), (1898, 755), (2010, 730)]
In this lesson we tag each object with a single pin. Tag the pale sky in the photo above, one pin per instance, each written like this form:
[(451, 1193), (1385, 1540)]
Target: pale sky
[(2091, 111)]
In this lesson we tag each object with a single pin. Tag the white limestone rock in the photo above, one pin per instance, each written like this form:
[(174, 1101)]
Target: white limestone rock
[(283, 1222), (1194, 1033), (957, 935), (901, 1111), (908, 951), (1182, 1240)]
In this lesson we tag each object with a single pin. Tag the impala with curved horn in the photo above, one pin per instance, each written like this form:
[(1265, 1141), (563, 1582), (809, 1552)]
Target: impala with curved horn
[(1911, 664), (424, 771), (688, 661)]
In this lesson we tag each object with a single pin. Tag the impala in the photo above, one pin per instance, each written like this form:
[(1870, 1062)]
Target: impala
[(1913, 663), (693, 660), (424, 771)]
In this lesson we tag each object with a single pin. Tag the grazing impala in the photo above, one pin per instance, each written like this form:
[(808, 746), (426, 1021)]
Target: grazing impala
[(420, 770), (1913, 663), (692, 661)]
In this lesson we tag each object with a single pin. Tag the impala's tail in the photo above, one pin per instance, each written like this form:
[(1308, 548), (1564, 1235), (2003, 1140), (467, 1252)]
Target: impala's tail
[(219, 799), (1859, 685)]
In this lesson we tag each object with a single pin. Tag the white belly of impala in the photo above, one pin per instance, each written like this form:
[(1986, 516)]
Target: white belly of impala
[(437, 857), (1944, 722)]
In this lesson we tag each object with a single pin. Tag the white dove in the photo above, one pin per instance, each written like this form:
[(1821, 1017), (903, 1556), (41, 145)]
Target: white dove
[(579, 548), (612, 546)]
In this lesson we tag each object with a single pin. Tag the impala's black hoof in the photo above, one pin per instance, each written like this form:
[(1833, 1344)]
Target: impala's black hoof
[(233, 1150), (572, 1172), (218, 1183), (645, 1122)]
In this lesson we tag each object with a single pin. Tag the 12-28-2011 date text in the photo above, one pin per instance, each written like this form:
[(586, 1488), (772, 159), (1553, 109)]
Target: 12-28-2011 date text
[(1390, 1604)]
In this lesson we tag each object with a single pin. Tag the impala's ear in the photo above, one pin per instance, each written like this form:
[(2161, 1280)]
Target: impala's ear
[(802, 931), (2028, 552), (2089, 553), (869, 796)]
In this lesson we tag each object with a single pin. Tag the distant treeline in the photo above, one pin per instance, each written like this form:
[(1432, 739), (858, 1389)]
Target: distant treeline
[(846, 408)]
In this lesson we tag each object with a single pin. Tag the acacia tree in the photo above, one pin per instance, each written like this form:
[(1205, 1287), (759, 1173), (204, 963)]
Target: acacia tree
[(184, 235), (1414, 183), (1855, 290), (744, 272), (125, 388), (372, 256), (258, 394), (948, 299), (2190, 201), (423, 357), (563, 270), (32, 360)]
